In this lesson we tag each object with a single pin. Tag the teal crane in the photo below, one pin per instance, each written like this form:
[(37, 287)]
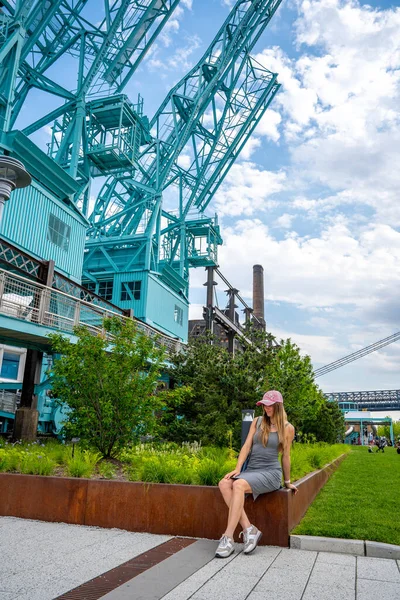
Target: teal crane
[(148, 225), (36, 36)]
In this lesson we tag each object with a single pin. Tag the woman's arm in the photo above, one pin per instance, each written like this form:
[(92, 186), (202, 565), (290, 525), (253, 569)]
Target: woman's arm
[(289, 435), (244, 451)]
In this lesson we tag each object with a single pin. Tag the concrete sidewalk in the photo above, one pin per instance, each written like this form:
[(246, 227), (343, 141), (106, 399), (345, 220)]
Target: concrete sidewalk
[(42, 561)]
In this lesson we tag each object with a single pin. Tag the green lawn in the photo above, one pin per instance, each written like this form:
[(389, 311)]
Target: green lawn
[(360, 501)]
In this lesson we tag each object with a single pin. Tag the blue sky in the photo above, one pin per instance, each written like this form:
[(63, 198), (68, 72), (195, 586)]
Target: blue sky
[(314, 196)]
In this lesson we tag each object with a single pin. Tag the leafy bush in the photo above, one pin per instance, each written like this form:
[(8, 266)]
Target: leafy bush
[(3, 460), (210, 472), (106, 469), (111, 402)]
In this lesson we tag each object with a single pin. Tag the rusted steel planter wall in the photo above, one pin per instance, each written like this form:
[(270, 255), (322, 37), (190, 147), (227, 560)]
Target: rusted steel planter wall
[(195, 511)]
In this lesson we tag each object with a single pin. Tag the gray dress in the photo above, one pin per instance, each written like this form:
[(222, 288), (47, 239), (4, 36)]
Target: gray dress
[(264, 471)]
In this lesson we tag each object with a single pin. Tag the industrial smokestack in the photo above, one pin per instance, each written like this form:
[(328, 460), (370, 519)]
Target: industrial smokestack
[(258, 294)]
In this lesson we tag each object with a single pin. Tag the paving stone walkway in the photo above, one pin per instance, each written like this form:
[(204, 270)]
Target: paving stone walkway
[(42, 561)]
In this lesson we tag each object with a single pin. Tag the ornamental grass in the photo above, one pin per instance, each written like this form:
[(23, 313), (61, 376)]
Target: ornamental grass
[(189, 463)]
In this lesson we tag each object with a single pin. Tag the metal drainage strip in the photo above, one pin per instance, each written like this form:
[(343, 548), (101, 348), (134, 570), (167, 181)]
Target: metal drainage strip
[(109, 581)]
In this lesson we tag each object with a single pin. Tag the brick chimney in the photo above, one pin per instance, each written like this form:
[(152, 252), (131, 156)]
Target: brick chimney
[(258, 294)]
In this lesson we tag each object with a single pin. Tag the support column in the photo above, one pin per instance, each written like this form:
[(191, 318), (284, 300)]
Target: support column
[(208, 313), (27, 415), (247, 315), (231, 314)]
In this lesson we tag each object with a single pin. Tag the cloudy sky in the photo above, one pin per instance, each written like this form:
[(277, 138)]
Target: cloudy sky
[(314, 196)]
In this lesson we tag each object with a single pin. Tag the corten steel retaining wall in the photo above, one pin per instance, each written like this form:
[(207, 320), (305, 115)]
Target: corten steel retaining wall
[(182, 510)]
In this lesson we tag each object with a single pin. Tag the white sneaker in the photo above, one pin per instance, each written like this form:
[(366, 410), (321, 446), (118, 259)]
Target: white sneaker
[(225, 547), (251, 537)]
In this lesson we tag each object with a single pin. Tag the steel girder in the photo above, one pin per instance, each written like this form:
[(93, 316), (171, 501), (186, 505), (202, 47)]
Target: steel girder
[(205, 119), (371, 400), (35, 34)]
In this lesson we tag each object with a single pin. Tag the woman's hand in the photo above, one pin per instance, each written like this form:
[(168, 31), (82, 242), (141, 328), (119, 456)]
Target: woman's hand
[(232, 474), (292, 487)]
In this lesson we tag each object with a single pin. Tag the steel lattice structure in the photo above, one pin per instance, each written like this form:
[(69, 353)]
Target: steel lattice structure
[(36, 35), (370, 400), (148, 224), (153, 217), (160, 175), (345, 360)]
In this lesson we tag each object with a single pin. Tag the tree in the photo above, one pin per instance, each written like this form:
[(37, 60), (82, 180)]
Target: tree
[(221, 385), (108, 382), (326, 423), (385, 430), (207, 411), (292, 374)]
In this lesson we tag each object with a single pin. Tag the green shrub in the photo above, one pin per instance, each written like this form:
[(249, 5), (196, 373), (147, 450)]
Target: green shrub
[(14, 456), (157, 470), (209, 472), (3, 460), (306, 458), (57, 452), (32, 463), (82, 464), (189, 463), (106, 469)]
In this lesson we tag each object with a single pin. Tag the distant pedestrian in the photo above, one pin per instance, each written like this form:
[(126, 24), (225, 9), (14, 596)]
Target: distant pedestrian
[(269, 435)]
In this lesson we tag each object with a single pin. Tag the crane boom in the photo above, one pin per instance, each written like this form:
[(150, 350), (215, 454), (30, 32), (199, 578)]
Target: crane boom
[(101, 58), (142, 229), (345, 360), (181, 119)]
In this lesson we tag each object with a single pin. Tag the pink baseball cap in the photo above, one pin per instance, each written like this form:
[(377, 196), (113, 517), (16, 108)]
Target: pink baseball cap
[(271, 398)]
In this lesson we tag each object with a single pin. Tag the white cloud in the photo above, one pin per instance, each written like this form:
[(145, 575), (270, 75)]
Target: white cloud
[(269, 124), (338, 268), (180, 59), (252, 144), (195, 311), (284, 221), (184, 161), (173, 24), (340, 103), (320, 347), (248, 189), (336, 120)]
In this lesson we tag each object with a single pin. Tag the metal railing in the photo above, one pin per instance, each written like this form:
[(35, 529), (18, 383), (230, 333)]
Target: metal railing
[(35, 303)]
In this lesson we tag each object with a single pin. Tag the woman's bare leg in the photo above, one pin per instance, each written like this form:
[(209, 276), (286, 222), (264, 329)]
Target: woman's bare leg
[(225, 486), (239, 488)]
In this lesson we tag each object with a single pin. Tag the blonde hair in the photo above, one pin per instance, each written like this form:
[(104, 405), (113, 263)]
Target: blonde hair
[(280, 420)]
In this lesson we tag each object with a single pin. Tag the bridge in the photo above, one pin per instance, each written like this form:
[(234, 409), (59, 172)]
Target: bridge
[(379, 400)]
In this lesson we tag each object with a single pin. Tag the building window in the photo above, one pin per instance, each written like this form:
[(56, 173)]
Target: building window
[(130, 290), (58, 232), (10, 365), (91, 286), (106, 290), (178, 315)]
